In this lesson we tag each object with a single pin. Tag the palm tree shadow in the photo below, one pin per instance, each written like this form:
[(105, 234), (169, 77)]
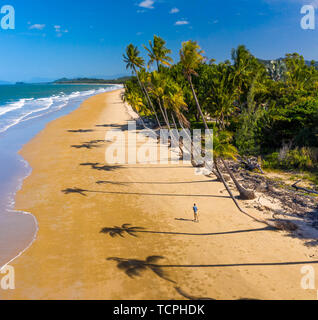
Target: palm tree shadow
[(80, 131), (96, 141), (193, 298), (189, 297), (112, 182), (182, 219), (123, 127), (87, 145), (132, 231), (150, 183), (75, 190), (100, 167), (120, 231), (134, 268)]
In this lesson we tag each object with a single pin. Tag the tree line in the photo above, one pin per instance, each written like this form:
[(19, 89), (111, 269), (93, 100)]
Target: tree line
[(255, 108)]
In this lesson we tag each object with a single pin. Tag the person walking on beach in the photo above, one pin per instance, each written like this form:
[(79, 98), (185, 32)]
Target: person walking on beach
[(195, 210)]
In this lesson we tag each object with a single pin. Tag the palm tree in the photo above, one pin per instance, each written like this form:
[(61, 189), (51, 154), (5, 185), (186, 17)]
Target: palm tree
[(242, 62), (223, 94), (223, 149), (191, 57), (245, 67), (298, 74), (136, 103), (134, 61), (174, 101), (158, 52), (143, 76), (157, 85)]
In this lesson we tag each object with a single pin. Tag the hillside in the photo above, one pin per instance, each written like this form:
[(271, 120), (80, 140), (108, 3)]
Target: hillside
[(91, 81)]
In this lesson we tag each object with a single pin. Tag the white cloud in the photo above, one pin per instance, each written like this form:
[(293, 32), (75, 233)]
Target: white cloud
[(59, 31), (174, 10), (182, 23), (37, 27), (147, 4)]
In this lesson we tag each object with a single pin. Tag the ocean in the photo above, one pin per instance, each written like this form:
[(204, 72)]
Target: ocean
[(24, 111)]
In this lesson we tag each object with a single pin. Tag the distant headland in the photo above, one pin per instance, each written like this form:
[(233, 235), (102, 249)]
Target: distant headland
[(120, 80)]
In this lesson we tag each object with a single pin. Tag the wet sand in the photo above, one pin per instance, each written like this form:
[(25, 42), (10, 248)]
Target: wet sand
[(225, 256)]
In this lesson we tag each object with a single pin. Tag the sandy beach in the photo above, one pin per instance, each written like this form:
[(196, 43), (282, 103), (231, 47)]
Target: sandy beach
[(165, 255)]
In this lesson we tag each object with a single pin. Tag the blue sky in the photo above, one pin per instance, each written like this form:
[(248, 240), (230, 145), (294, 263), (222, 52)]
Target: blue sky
[(55, 38)]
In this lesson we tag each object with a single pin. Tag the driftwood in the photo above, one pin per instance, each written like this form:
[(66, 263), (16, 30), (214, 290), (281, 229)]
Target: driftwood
[(303, 189), (197, 165), (252, 164)]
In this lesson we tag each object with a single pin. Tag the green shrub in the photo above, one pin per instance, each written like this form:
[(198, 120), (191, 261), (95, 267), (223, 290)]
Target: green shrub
[(303, 158)]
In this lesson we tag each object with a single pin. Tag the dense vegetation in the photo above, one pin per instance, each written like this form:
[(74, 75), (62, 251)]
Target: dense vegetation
[(267, 109)]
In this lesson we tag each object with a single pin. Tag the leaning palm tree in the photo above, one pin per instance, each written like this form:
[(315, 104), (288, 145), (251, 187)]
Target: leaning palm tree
[(158, 52), (136, 103), (191, 57), (168, 95), (144, 76), (175, 102), (134, 61), (223, 149), (157, 83)]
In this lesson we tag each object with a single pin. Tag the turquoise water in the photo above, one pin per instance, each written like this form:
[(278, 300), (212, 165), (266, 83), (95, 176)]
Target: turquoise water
[(20, 103), (24, 111)]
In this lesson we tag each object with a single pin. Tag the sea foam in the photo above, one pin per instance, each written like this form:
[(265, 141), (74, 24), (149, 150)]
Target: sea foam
[(23, 110)]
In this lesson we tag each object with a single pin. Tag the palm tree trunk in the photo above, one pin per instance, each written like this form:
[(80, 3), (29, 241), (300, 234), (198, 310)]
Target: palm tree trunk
[(198, 104), (215, 162), (193, 149), (166, 113), (244, 194), (174, 121), (163, 113), (143, 89), (152, 107), (226, 186), (178, 135)]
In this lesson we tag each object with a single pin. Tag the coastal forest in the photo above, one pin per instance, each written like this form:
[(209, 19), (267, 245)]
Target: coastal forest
[(265, 110)]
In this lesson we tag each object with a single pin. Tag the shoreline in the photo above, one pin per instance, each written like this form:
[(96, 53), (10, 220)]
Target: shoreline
[(93, 84), (79, 200), (11, 209), (18, 212)]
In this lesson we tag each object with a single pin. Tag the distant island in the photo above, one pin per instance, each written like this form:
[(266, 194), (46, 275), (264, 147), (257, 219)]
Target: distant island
[(92, 81)]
